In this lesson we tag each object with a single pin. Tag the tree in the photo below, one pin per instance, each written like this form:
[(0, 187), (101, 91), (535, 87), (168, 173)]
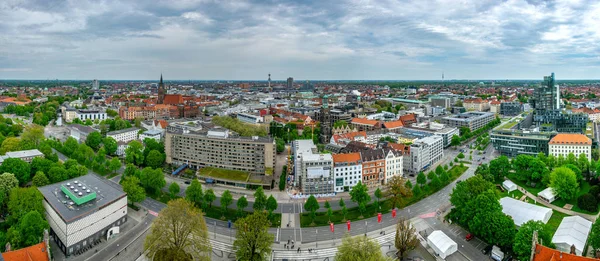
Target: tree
[(430, 175), (587, 202), (23, 200), (416, 191), (271, 205), (209, 197), (396, 190), (28, 231), (242, 203), (253, 240), (487, 221), (576, 170), (174, 189), (40, 179), (57, 174), (360, 194), (110, 145), (178, 231), (312, 206), (194, 193), (131, 186), (464, 192), (455, 142), (43, 165), (327, 205), (405, 237), (594, 238), (421, 179), (484, 172), (155, 159), (10, 144), (152, 180), (461, 155), (408, 184), (94, 140), (342, 203), (500, 167), (8, 181), (17, 166), (360, 248), (260, 200), (226, 199), (32, 136), (378, 194), (114, 164), (435, 182), (131, 171), (564, 183), (134, 153), (522, 242), (444, 178)]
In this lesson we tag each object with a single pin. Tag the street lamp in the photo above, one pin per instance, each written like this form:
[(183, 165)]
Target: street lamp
[(366, 228)]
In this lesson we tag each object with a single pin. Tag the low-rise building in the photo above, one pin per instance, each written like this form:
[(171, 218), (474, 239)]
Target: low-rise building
[(124, 135), (25, 155), (249, 118), (80, 132), (495, 106), (347, 171), (90, 114), (472, 120), (567, 143), (151, 134), (82, 211), (393, 164), (476, 104)]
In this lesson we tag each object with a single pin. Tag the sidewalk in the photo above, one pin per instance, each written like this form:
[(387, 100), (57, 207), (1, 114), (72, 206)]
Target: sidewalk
[(557, 208)]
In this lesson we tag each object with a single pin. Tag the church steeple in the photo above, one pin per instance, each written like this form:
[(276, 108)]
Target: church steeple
[(161, 82), (161, 91)]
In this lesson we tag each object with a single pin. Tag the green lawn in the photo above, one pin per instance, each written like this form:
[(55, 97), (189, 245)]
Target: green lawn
[(539, 187), (218, 173), (555, 220), (516, 194), (585, 188), (322, 219)]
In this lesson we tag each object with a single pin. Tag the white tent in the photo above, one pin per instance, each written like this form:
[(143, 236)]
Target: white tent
[(572, 230), (441, 244), (521, 212), (547, 194), (509, 185)]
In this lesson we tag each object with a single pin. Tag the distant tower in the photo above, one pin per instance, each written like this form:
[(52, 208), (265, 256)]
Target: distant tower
[(290, 82), (269, 81), (161, 91), (442, 77), (95, 85)]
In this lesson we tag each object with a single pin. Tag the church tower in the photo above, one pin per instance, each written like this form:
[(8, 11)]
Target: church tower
[(161, 91)]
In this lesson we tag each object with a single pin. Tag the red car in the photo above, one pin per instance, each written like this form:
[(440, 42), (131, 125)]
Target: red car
[(469, 236)]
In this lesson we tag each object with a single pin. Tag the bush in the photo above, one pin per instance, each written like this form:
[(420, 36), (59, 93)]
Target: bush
[(595, 191), (461, 156), (587, 202), (283, 178)]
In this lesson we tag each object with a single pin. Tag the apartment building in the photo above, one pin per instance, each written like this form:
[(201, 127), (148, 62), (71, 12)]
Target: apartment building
[(200, 145), (347, 171), (476, 104), (158, 111), (124, 135), (373, 162), (424, 153), (566, 143), (472, 120), (312, 170), (393, 164)]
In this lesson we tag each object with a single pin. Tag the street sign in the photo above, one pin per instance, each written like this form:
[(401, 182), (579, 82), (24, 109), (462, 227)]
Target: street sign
[(348, 223), (393, 213), (378, 217), (331, 227)]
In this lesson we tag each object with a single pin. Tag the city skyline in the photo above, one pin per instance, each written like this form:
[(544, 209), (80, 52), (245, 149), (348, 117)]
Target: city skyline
[(315, 40)]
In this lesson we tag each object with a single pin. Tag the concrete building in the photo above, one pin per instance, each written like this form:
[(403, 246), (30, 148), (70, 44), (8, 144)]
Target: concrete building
[(314, 171), (363, 124), (80, 132), (290, 83), (472, 120), (476, 104), (423, 154), (68, 113), (511, 108), (250, 118), (124, 135), (446, 133), (151, 134), (83, 210), (199, 145), (441, 101), (95, 84), (373, 161), (547, 95), (347, 171), (566, 143), (25, 155), (512, 142), (495, 106), (93, 115)]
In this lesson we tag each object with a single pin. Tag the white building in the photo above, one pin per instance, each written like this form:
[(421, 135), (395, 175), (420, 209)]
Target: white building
[(250, 118), (25, 155), (521, 212), (424, 153), (441, 244), (151, 134), (314, 170), (566, 143), (95, 85), (124, 135), (347, 171), (572, 230), (80, 132), (84, 115), (82, 211), (393, 164)]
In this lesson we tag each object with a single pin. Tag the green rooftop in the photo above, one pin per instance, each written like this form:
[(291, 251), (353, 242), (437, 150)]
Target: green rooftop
[(73, 191), (218, 173)]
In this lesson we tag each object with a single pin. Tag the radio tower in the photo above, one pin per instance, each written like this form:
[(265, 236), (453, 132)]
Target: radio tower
[(269, 81)]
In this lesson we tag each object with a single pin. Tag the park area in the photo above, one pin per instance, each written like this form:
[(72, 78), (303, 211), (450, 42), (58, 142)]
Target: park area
[(226, 174)]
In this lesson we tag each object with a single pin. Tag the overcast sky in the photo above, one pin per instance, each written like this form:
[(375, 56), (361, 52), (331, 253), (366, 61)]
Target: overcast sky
[(305, 39)]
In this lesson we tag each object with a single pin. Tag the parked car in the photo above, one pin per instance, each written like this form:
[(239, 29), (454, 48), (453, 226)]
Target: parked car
[(486, 251), (508, 258), (187, 182), (469, 236)]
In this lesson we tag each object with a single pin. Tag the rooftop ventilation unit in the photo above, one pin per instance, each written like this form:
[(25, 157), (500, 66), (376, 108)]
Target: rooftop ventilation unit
[(76, 182)]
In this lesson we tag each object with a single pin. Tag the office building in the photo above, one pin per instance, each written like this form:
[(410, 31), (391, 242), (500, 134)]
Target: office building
[(567, 143), (290, 82), (441, 101), (476, 104), (93, 115), (446, 133), (347, 171), (547, 95), (199, 145), (124, 135), (154, 134), (95, 84), (25, 155), (82, 211), (424, 153), (513, 142), (313, 170), (555, 120), (250, 118), (511, 108), (80, 132), (472, 120)]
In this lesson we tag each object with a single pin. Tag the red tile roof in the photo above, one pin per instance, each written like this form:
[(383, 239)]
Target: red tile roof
[(37, 252), (346, 157), (173, 99), (543, 253), (364, 121), (350, 135), (393, 124), (408, 119), (570, 139)]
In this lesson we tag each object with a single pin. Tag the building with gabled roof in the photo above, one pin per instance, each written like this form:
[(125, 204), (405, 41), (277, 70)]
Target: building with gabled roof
[(363, 124), (37, 252)]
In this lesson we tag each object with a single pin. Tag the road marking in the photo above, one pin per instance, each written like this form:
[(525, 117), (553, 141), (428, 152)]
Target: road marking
[(428, 215), (153, 213), (277, 237)]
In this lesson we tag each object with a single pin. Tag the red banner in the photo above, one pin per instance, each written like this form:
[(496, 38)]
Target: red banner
[(348, 223), (393, 213), (331, 227), (378, 217)]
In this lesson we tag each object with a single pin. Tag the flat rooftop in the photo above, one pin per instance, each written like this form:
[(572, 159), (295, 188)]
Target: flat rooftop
[(122, 131), (24, 153), (105, 194)]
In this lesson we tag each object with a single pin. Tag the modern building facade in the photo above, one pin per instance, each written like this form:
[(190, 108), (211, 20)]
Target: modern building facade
[(444, 102), (547, 95), (83, 210), (472, 120), (124, 135), (446, 133), (80, 132), (200, 146), (513, 142), (555, 120), (347, 171), (564, 144), (511, 108), (290, 83), (314, 171), (424, 153)]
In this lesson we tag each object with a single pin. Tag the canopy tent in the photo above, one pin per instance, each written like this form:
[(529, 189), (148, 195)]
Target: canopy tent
[(521, 212), (509, 185), (572, 230), (441, 244), (547, 194)]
